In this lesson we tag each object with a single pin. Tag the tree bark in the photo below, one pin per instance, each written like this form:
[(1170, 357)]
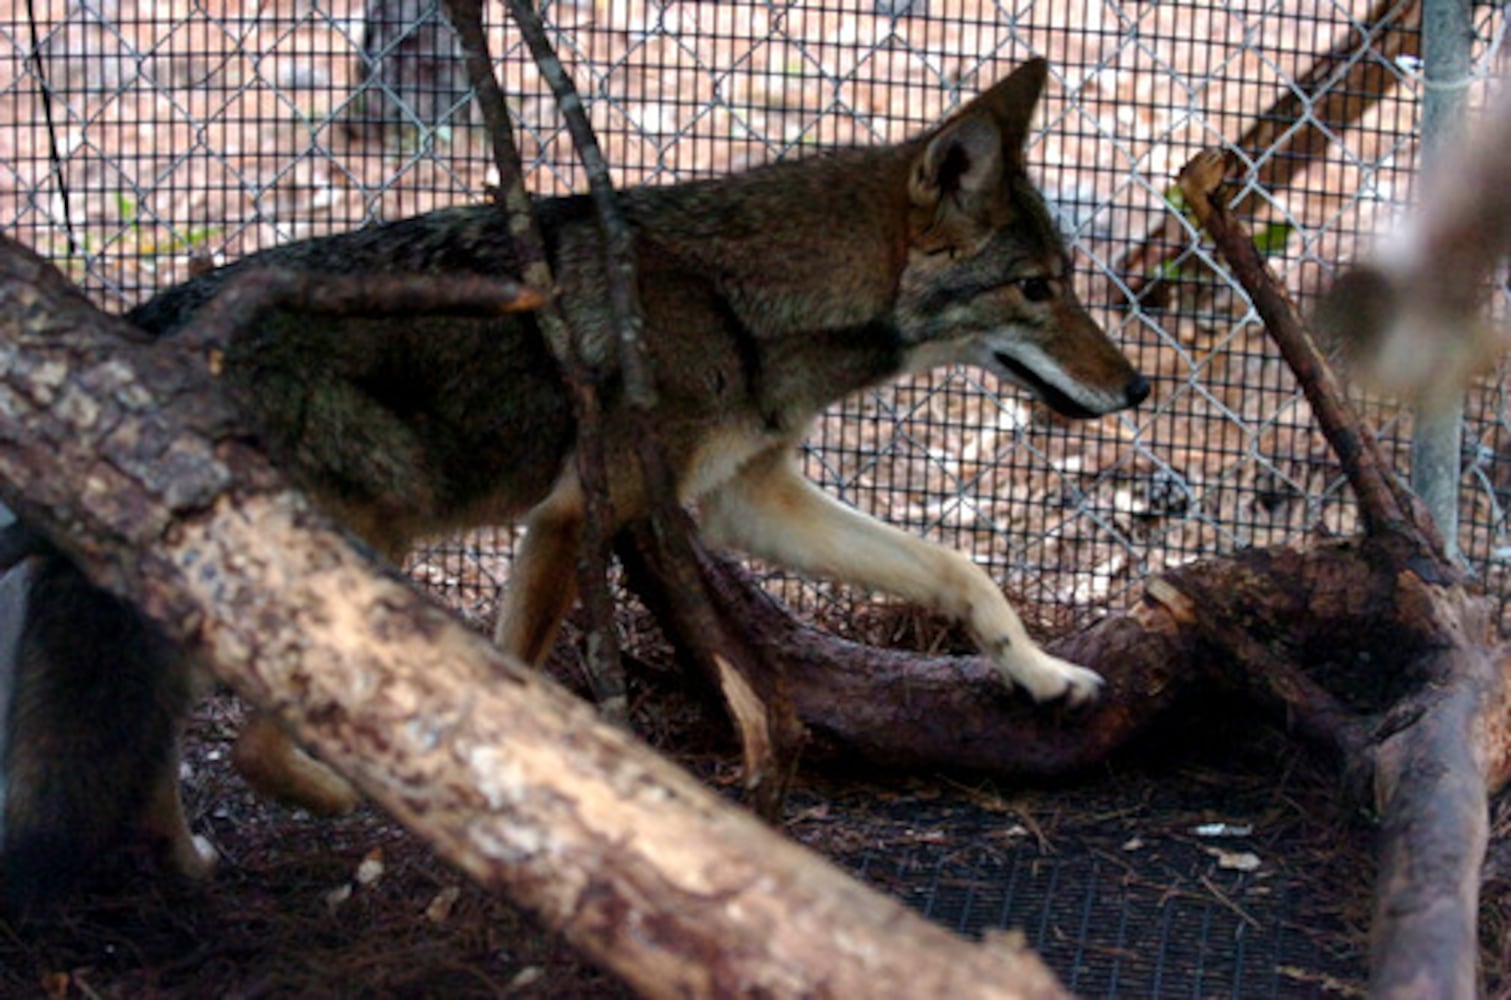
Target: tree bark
[(902, 709), (127, 455)]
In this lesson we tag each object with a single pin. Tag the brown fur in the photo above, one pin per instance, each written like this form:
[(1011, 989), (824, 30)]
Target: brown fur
[(766, 297)]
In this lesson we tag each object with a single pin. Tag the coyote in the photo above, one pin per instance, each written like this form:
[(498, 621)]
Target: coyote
[(766, 296)]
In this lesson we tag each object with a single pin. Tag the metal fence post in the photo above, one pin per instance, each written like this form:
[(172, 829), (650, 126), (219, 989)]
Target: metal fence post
[(1447, 35)]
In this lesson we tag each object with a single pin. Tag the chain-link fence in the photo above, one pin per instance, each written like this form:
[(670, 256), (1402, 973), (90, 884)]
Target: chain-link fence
[(138, 136)]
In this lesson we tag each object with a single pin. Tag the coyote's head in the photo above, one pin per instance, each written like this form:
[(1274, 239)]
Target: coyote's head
[(987, 279)]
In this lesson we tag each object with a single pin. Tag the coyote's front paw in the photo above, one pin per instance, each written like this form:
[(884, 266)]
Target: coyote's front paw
[(1047, 677)]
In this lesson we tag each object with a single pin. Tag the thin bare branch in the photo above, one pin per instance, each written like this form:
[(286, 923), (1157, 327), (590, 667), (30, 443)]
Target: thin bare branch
[(717, 645), (254, 292), (1384, 503), (604, 668)]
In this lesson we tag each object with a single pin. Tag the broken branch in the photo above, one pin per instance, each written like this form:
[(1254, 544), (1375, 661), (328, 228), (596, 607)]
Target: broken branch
[(604, 667), (770, 731), (1384, 504)]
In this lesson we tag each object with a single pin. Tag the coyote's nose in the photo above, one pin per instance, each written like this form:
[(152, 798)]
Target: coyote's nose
[(1136, 391)]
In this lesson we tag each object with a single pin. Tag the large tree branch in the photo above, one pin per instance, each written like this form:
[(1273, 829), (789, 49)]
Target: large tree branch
[(903, 709)]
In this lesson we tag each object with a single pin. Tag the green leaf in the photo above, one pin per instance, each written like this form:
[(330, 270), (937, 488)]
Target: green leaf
[(1271, 240), (195, 237), (128, 209), (1169, 271), (1176, 199)]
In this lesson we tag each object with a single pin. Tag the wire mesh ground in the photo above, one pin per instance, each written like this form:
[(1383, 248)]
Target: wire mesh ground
[(1112, 878)]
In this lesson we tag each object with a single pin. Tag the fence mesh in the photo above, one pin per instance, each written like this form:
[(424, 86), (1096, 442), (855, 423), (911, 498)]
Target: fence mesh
[(137, 137)]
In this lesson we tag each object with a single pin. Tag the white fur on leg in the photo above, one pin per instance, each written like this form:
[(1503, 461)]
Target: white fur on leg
[(771, 511), (1021, 661)]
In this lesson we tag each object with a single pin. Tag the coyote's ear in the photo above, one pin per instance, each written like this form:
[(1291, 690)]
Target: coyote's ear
[(1011, 102), (964, 158), (969, 155)]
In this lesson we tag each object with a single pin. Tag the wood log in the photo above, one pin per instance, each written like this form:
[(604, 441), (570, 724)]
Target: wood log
[(903, 709), (126, 454), (1440, 748)]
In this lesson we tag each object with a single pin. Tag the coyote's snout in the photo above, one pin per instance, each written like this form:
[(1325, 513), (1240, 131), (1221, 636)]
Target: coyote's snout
[(767, 296)]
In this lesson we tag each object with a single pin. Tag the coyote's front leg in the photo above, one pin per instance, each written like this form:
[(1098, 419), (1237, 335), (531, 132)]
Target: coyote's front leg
[(771, 511)]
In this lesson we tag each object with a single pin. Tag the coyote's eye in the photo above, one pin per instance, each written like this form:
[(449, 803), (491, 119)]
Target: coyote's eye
[(1036, 289)]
